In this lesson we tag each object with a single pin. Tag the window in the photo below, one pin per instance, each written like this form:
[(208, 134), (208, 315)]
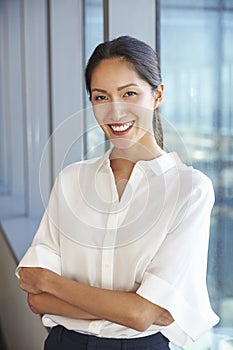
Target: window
[(197, 68), (41, 85)]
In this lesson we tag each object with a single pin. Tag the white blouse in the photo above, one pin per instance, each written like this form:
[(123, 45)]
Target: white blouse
[(153, 241)]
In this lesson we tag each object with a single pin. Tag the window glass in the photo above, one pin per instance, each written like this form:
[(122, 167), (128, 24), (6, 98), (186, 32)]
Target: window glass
[(190, 4), (93, 35), (197, 68), (228, 3)]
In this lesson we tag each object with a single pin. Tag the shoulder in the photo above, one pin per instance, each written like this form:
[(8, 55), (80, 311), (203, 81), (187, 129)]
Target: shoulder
[(194, 193), (181, 174), (196, 185), (195, 176), (198, 178), (188, 174), (190, 182), (72, 174), (82, 165)]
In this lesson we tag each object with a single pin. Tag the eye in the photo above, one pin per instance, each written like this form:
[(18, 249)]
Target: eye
[(130, 93), (100, 98)]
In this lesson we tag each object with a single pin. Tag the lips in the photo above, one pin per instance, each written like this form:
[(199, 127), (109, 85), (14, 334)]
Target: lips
[(121, 128)]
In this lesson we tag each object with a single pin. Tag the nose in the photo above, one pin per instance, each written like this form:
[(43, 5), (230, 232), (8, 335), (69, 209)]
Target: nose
[(116, 111)]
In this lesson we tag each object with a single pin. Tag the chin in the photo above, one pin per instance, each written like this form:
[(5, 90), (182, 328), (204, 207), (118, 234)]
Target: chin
[(122, 143)]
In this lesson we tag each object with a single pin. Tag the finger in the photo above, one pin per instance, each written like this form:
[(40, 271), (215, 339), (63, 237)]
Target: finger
[(21, 272)]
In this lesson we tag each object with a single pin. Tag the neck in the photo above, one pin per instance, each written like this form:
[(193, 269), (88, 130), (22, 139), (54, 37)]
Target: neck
[(146, 149)]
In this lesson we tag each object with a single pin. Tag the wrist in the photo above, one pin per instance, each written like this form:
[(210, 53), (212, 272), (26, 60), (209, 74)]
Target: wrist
[(47, 280)]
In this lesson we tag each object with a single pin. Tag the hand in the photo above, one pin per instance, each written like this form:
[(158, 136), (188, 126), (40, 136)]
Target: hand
[(32, 279), (164, 318)]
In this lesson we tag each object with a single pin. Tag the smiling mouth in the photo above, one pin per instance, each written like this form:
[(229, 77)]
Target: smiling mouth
[(121, 128)]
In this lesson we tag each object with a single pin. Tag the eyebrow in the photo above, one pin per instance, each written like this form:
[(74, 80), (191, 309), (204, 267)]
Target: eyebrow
[(119, 88)]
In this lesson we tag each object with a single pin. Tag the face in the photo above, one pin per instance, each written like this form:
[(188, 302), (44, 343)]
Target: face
[(123, 103)]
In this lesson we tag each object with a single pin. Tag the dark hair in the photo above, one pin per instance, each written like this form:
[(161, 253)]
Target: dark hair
[(144, 60)]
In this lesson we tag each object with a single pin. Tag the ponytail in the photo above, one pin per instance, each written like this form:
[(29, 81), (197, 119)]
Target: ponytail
[(157, 127)]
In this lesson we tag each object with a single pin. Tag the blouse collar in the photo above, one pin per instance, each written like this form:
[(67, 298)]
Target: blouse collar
[(158, 165)]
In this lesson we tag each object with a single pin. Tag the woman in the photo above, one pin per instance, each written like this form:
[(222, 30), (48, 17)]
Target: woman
[(119, 260)]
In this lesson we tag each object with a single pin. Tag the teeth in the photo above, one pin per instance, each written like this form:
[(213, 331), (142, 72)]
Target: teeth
[(121, 127)]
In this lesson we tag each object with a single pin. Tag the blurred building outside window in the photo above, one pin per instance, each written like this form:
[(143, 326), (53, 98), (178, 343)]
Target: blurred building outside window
[(196, 55)]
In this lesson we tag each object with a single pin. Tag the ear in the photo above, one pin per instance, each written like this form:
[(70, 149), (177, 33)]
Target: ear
[(158, 95)]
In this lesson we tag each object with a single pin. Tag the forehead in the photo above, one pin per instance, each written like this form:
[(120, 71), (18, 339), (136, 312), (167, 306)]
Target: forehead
[(114, 71)]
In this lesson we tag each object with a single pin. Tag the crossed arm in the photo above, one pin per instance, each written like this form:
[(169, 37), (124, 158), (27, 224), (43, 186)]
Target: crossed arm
[(51, 293)]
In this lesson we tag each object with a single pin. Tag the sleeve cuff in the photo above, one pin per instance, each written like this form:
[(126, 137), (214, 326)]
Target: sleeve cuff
[(187, 317), (40, 256)]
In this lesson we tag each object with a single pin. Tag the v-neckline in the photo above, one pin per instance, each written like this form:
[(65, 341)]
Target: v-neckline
[(121, 180), (122, 194)]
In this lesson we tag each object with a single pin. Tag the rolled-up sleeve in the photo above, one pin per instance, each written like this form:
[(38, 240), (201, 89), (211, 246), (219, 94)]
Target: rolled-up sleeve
[(44, 251), (176, 277)]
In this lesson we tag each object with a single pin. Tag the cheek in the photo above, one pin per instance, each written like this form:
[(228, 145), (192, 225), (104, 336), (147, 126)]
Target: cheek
[(142, 114), (147, 102), (99, 113)]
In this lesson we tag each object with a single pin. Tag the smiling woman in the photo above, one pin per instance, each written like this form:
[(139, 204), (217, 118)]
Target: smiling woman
[(139, 73), (119, 259), (123, 102)]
